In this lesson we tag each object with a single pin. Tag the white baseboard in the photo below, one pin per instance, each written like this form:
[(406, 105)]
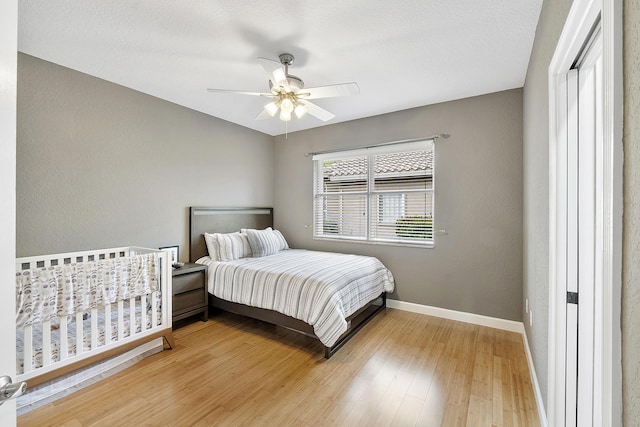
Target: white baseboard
[(461, 316), (534, 381), (491, 322)]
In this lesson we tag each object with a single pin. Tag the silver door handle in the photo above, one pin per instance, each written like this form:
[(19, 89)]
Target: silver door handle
[(9, 389)]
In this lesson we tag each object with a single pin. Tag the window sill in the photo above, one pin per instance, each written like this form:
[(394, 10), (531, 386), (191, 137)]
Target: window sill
[(378, 242)]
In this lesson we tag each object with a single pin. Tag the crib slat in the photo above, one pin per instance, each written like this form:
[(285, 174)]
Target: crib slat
[(132, 316), (154, 309), (120, 320), (79, 335), (143, 313), (107, 324), (64, 338), (94, 328), (46, 343), (28, 348)]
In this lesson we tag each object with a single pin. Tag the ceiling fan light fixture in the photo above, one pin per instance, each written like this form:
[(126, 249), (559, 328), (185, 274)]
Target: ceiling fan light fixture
[(271, 108), (287, 105), (285, 116), (300, 111)]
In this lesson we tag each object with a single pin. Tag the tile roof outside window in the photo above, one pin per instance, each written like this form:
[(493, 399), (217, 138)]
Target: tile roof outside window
[(385, 163)]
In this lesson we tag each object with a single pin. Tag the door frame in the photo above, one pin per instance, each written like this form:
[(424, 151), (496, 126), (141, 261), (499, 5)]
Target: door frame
[(607, 402), (8, 106)]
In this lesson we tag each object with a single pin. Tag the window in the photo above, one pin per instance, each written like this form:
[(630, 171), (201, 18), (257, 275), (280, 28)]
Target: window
[(380, 194)]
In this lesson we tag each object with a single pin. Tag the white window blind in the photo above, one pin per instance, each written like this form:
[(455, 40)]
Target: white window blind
[(380, 194)]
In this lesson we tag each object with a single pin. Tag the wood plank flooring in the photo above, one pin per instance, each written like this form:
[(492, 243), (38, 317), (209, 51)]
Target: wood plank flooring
[(402, 369)]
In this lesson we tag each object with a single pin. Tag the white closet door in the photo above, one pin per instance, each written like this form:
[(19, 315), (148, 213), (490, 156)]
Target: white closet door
[(571, 364), (589, 193)]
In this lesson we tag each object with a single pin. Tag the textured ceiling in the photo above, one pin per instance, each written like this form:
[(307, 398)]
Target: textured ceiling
[(402, 54)]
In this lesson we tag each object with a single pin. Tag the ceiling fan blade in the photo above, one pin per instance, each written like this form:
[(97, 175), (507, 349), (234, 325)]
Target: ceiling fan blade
[(317, 111), (239, 92), (276, 73), (263, 115), (342, 89)]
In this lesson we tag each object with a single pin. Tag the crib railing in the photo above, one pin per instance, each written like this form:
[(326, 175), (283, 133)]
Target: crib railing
[(70, 343)]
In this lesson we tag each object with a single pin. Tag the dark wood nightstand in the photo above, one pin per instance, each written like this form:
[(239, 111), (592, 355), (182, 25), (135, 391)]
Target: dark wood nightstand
[(190, 294)]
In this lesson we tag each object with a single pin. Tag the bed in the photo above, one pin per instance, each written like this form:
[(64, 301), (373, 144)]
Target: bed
[(325, 295), (76, 309)]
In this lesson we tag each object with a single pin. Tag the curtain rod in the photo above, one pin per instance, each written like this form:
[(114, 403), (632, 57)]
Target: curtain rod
[(440, 135)]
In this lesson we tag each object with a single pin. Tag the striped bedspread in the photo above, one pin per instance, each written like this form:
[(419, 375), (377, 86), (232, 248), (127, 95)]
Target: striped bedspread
[(319, 288)]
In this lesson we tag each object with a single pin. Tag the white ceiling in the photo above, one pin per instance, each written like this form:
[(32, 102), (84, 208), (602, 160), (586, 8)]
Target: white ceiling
[(402, 54)]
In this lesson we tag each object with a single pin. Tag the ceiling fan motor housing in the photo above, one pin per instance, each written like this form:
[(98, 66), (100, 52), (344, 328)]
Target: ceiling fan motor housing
[(295, 83)]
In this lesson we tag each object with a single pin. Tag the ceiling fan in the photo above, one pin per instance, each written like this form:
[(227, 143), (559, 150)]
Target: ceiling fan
[(289, 95)]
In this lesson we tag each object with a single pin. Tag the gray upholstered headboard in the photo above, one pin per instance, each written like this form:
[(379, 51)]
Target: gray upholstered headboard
[(222, 220)]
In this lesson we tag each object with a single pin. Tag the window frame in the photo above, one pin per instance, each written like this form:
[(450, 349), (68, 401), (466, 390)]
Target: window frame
[(372, 195)]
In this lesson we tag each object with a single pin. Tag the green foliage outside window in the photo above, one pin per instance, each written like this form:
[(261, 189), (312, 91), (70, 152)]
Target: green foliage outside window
[(415, 227), (330, 227)]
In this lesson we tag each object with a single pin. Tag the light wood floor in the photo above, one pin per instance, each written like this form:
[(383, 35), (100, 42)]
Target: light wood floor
[(402, 369)]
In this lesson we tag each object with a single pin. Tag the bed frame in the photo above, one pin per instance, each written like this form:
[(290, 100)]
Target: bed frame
[(67, 363), (219, 220)]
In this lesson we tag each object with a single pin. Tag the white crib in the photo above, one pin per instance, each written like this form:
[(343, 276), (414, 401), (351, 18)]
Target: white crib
[(49, 349)]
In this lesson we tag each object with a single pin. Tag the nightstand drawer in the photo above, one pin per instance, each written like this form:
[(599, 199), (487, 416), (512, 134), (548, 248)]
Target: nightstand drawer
[(187, 300), (188, 282)]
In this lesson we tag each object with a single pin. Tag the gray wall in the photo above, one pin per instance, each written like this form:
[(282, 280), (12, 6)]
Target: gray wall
[(631, 248), (100, 165), (536, 182), (477, 267)]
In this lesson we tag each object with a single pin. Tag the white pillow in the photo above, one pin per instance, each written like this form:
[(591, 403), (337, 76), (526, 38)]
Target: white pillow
[(233, 246), (227, 246), (212, 246), (283, 241), (265, 242)]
